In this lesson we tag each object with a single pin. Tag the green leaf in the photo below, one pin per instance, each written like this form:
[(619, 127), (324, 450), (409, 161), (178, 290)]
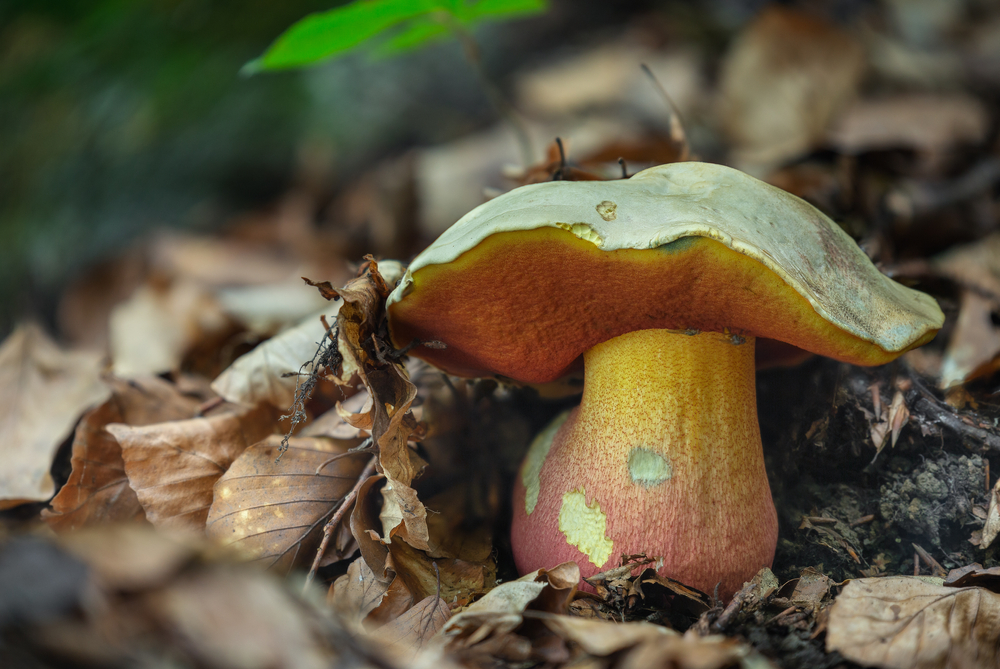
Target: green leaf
[(337, 31), (498, 9), (417, 32), (325, 34)]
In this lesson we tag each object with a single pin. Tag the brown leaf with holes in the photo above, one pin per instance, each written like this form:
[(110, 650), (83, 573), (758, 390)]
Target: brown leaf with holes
[(97, 490), (173, 466), (907, 622), (43, 391), (274, 512)]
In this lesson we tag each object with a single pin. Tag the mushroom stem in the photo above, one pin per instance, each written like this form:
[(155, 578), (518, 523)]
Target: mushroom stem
[(662, 457)]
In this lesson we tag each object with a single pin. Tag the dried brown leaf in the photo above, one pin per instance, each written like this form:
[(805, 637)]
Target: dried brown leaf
[(158, 325), (927, 123), (974, 574), (173, 466), (97, 490), (357, 593), (364, 345), (260, 375), (602, 638), (693, 652), (231, 617), (455, 580), (783, 81), (414, 628), (991, 528), (129, 556), (45, 389), (274, 511), (916, 623), (500, 611)]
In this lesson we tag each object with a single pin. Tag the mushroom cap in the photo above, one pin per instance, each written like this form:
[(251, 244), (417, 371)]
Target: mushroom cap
[(525, 283)]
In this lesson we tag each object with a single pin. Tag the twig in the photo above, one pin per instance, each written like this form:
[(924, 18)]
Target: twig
[(364, 447), (677, 133), (952, 421), (496, 98), (621, 162), (863, 520), (558, 174), (328, 529), (934, 565)]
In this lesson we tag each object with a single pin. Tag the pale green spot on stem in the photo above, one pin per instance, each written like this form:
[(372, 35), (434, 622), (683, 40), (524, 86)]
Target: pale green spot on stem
[(531, 469), (585, 526), (648, 468)]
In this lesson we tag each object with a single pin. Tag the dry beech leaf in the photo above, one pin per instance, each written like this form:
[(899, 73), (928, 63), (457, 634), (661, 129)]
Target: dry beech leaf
[(783, 81), (97, 490), (129, 556), (415, 627), (499, 611), (413, 573), (151, 332), (991, 528), (974, 347), (693, 652), (600, 637), (359, 324), (173, 466), (974, 574), (333, 423), (357, 593), (275, 511), (927, 123), (257, 376), (231, 617), (908, 622), (45, 390)]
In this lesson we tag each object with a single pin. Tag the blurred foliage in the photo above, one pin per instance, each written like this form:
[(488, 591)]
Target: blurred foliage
[(338, 31), (116, 115)]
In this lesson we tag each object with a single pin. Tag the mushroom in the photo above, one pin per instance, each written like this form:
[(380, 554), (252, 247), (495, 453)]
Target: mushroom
[(661, 283)]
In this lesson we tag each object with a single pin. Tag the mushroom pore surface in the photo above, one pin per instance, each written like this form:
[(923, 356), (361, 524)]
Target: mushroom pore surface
[(527, 304)]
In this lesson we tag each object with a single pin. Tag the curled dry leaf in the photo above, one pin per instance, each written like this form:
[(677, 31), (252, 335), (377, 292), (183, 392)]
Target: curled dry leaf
[(991, 528), (97, 490), (275, 511), (974, 347), (173, 466), (259, 376), (412, 572), (366, 350), (909, 622), (44, 389), (500, 610), (974, 574)]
